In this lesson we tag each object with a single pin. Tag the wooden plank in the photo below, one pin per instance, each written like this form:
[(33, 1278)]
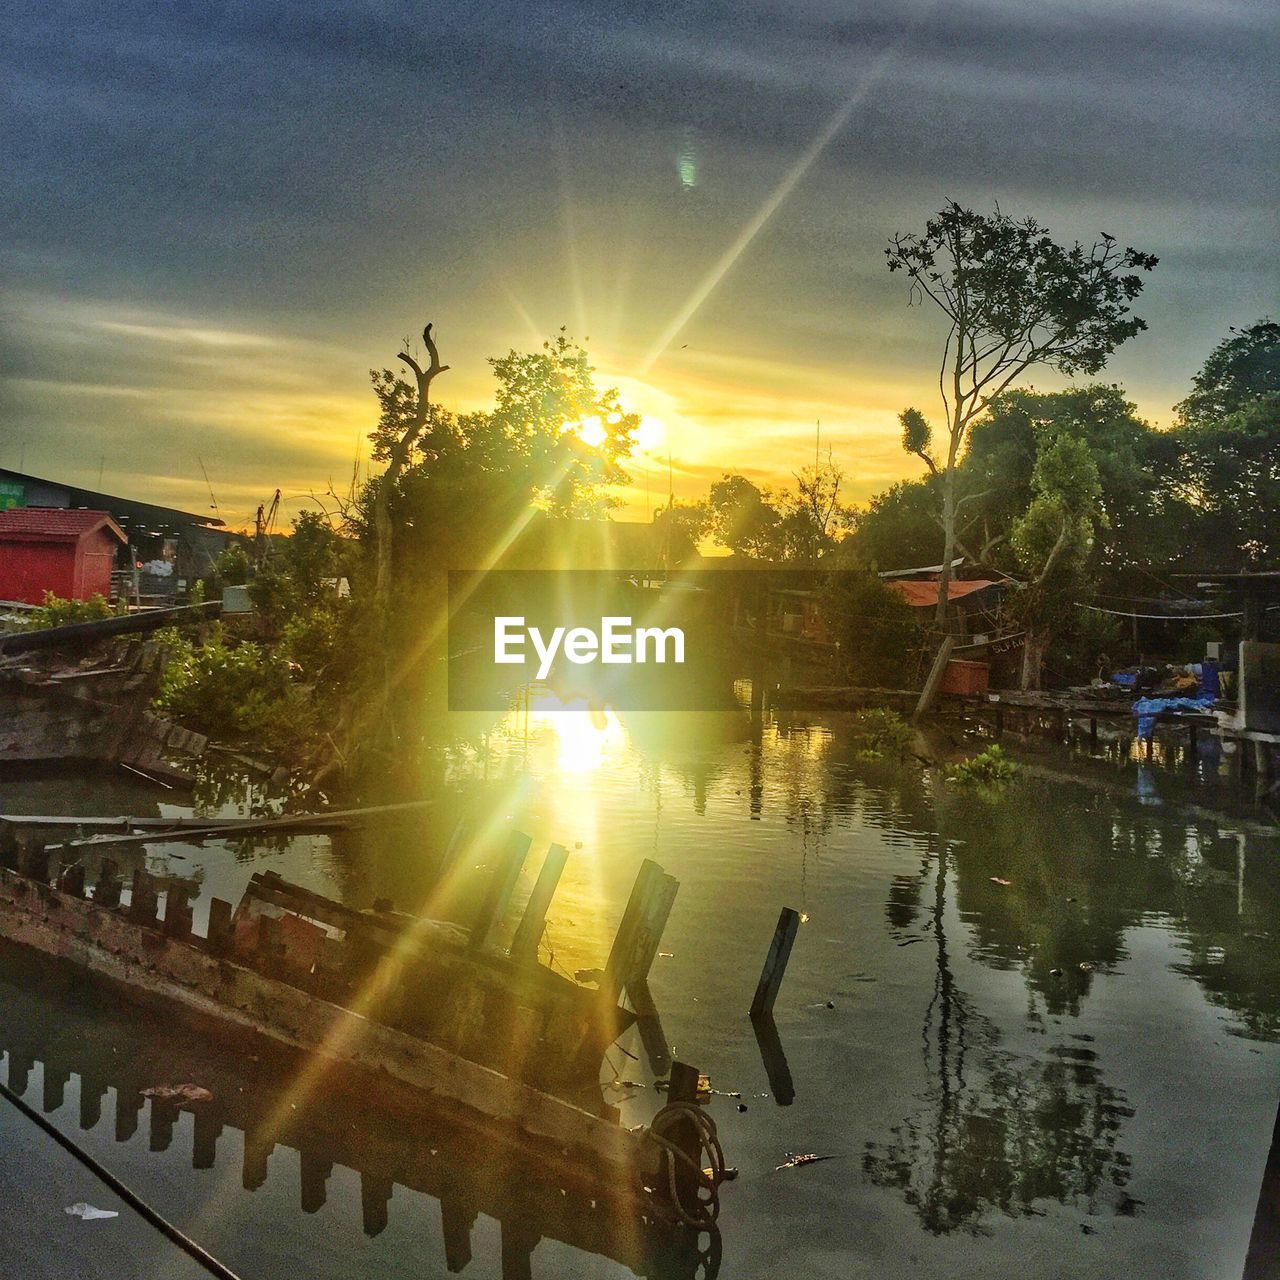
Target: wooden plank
[(524, 946), (502, 884), (648, 879), (775, 963), (649, 931)]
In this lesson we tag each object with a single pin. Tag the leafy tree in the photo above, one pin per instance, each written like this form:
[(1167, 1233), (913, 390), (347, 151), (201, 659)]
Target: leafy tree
[(1014, 299), (1239, 369), (744, 518), (813, 516), (1052, 539), (899, 528), (1229, 470)]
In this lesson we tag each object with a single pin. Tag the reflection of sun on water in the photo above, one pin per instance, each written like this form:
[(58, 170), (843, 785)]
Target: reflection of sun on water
[(584, 736)]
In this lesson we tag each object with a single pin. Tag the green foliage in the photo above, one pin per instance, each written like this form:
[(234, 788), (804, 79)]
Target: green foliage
[(900, 528), (1011, 287), (881, 731), (917, 435), (234, 692), (989, 768), (1230, 471), (231, 569), (1238, 370), (877, 631), (800, 524), (57, 612)]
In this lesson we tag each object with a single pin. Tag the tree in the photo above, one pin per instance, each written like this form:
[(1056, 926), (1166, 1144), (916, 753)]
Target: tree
[(899, 528), (405, 413), (1052, 539), (1239, 369), (1230, 472), (813, 516), (744, 518), (1014, 299)]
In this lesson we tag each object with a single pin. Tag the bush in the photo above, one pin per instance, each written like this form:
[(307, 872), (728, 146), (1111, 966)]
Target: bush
[(880, 731), (989, 768), (56, 612), (233, 692)]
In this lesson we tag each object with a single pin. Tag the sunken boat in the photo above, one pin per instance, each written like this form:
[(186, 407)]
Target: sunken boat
[(392, 1002)]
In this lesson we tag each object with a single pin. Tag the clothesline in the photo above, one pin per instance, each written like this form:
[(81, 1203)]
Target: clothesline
[(1158, 617)]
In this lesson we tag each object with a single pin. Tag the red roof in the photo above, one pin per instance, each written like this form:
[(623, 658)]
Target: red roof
[(54, 524), (920, 595)]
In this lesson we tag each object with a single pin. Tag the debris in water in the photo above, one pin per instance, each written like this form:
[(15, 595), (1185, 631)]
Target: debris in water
[(794, 1160), (804, 917), (907, 942), (588, 975), (742, 1106), (1086, 966), (1055, 973), (88, 1212), (666, 955), (1000, 880), (178, 1093), (831, 1004), (624, 1084)]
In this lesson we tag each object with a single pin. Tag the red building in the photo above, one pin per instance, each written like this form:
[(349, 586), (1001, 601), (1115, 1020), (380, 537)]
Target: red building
[(66, 551)]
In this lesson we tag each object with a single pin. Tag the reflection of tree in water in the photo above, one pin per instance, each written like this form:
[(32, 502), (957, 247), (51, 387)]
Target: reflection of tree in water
[(1000, 1133)]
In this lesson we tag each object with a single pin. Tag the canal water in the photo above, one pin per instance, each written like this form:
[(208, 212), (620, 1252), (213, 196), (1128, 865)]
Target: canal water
[(1029, 1032)]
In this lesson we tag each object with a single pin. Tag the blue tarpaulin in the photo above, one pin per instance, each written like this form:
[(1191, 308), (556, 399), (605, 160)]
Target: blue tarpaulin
[(1146, 709)]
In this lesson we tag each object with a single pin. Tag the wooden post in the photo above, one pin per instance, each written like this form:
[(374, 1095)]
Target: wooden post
[(684, 1088), (71, 880), (164, 1116), (1093, 733), (518, 1244), (775, 1059), (177, 914), (456, 1221), (502, 883), (775, 963), (219, 932), (204, 1145), (375, 1195), (128, 1108), (636, 943), (649, 1024), (930, 690), (143, 901), (106, 892), (313, 1181), (524, 946), (257, 1151)]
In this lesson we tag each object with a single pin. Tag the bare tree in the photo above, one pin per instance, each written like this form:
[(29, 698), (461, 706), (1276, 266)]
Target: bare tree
[(399, 455)]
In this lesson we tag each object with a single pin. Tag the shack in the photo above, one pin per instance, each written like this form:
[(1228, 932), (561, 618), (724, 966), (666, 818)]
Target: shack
[(163, 549), (47, 549)]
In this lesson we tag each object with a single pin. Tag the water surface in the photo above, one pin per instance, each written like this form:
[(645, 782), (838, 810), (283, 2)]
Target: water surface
[(1035, 1032)]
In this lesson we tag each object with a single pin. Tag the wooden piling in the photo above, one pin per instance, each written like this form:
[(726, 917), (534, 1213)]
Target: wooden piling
[(639, 935), (775, 963), (143, 901), (219, 931), (71, 879), (684, 1088), (524, 946), (106, 891), (375, 1196), (497, 897)]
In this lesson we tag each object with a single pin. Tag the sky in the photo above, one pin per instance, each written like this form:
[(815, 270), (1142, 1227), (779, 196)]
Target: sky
[(219, 217)]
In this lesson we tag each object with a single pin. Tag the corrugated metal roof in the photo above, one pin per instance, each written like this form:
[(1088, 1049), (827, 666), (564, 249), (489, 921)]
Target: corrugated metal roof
[(61, 523), (920, 595)]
